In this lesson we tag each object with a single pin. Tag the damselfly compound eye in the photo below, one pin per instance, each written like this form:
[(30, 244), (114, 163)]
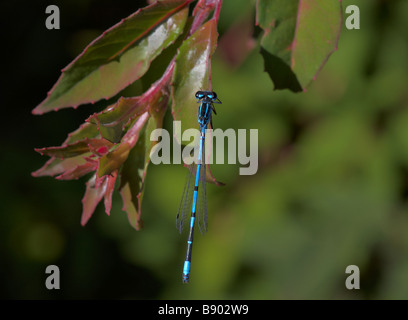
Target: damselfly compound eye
[(199, 95)]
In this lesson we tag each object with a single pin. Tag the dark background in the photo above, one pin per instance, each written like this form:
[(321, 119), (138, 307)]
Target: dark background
[(331, 189)]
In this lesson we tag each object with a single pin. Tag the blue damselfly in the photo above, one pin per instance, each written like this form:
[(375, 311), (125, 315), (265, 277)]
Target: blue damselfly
[(194, 194)]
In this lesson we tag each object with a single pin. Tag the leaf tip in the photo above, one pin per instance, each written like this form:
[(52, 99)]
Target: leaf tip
[(37, 111), (35, 174)]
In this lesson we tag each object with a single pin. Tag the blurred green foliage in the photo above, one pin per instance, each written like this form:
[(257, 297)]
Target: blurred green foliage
[(331, 189)]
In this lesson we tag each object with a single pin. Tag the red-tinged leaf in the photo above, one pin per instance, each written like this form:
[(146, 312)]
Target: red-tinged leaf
[(120, 112), (99, 151), (76, 148), (79, 170), (236, 44), (117, 58), (112, 121), (114, 159), (192, 73), (95, 190), (210, 177), (134, 170), (110, 187), (131, 182), (131, 206), (56, 166), (112, 134), (203, 6), (299, 37), (201, 12), (154, 102), (208, 149)]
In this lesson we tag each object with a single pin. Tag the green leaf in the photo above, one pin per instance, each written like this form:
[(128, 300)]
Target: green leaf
[(85, 130), (118, 57), (192, 73), (299, 37), (159, 66)]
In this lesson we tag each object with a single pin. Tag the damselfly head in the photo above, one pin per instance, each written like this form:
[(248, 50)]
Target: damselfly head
[(211, 95)]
